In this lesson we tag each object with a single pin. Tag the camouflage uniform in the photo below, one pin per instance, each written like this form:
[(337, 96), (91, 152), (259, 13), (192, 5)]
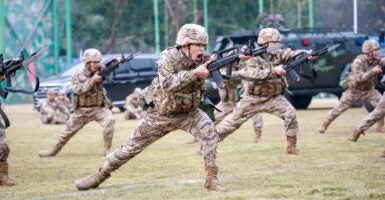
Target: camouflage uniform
[(265, 96), (133, 110), (53, 112), (90, 103), (175, 95), (4, 152), (227, 104), (64, 100), (360, 86)]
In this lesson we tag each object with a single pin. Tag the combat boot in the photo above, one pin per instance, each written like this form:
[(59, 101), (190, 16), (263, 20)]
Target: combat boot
[(380, 126), (356, 134), (324, 127), (52, 152), (92, 181), (4, 179), (291, 145), (212, 183), (258, 134)]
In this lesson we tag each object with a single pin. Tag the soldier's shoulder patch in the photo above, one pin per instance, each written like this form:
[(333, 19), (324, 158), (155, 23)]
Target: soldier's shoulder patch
[(168, 67)]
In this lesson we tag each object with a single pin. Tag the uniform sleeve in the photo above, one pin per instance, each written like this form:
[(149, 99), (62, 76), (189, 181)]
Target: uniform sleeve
[(358, 72), (81, 84), (43, 108), (171, 80)]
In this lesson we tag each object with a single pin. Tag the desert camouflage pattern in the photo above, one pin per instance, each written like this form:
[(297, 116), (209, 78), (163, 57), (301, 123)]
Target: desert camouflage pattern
[(53, 112), (360, 87), (228, 101), (82, 116), (131, 104), (91, 55), (369, 46), (64, 100), (4, 149), (90, 104), (269, 35), (191, 34), (264, 96), (176, 89), (176, 93), (377, 114), (86, 93)]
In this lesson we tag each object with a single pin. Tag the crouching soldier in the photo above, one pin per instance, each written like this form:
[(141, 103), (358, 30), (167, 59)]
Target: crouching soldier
[(90, 103), (52, 111)]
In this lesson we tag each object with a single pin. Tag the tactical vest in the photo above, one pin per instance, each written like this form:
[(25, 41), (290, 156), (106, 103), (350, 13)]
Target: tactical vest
[(183, 100), (352, 82), (95, 97)]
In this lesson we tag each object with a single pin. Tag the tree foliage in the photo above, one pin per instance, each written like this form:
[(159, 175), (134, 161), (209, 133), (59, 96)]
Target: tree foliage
[(128, 26)]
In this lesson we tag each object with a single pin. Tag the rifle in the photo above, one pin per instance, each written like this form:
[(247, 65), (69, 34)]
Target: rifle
[(8, 69), (221, 61), (302, 59), (112, 64)]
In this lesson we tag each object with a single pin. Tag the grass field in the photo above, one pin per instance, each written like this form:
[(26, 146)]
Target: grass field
[(329, 167)]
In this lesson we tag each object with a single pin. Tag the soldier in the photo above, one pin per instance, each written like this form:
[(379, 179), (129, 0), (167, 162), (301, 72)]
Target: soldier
[(63, 99), (229, 98), (4, 152), (172, 99), (360, 84), (265, 95), (133, 110), (52, 111), (90, 103)]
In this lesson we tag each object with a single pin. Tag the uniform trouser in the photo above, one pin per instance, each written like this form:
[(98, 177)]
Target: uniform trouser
[(348, 98), (377, 114), (153, 127), (249, 105), (60, 117), (4, 149), (227, 107), (82, 116)]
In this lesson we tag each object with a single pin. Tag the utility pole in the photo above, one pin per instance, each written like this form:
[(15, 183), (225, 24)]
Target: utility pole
[(156, 25), (68, 31)]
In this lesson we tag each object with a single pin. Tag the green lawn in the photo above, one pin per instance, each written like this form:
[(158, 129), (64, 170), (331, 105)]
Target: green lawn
[(329, 167)]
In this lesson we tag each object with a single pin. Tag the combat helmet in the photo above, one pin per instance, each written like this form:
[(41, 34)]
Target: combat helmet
[(191, 34), (269, 35), (91, 55), (369, 46)]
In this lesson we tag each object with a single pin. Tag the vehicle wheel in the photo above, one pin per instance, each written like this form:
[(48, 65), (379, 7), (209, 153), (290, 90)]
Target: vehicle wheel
[(299, 101)]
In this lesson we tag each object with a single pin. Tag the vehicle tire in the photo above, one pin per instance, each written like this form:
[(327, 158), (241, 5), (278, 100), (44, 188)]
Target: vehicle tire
[(299, 101)]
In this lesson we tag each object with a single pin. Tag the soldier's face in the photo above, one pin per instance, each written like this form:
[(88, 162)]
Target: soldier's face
[(94, 66), (196, 52), (273, 44), (375, 54), (51, 96)]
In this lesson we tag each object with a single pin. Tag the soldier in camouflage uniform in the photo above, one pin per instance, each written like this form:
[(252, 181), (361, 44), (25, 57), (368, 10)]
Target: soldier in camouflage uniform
[(360, 84), (173, 99), (52, 111), (4, 152), (131, 104), (90, 103), (265, 95), (63, 99)]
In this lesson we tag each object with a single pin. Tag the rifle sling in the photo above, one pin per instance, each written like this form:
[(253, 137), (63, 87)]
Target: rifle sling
[(5, 120), (37, 84)]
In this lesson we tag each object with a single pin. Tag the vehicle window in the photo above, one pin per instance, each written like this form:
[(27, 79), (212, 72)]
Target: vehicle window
[(136, 65), (73, 69)]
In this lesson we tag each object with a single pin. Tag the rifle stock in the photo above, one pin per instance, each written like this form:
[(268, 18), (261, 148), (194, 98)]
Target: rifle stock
[(114, 63)]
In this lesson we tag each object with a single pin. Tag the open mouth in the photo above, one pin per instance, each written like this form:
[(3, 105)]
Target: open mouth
[(199, 57)]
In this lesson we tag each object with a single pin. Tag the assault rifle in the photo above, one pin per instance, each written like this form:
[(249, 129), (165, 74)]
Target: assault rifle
[(302, 59), (233, 56), (8, 69), (114, 63)]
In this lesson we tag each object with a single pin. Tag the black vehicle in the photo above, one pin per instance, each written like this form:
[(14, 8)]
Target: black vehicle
[(139, 72), (328, 67)]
